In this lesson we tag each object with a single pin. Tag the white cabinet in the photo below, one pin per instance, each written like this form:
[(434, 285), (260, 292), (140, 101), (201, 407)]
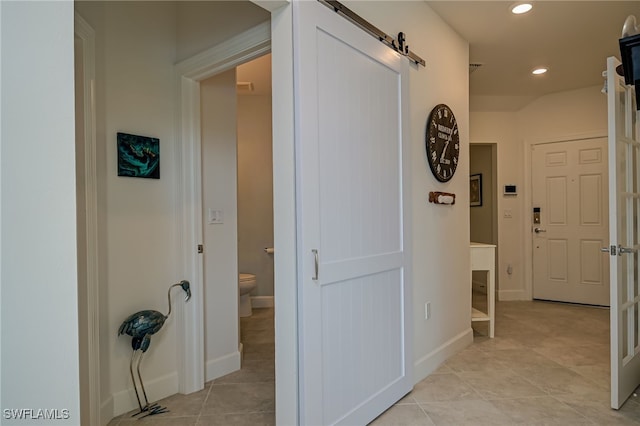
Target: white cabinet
[(483, 259)]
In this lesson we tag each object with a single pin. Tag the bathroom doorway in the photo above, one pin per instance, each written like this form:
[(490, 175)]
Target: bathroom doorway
[(237, 221), (255, 177)]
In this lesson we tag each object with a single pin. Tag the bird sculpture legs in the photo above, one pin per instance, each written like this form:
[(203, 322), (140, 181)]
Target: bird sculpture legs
[(148, 409)]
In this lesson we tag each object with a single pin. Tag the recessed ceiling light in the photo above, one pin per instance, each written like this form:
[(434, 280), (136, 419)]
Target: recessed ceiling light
[(520, 8), (539, 71)]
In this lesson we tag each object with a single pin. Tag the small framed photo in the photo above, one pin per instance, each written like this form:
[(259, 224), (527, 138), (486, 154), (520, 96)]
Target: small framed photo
[(475, 190), (138, 156)]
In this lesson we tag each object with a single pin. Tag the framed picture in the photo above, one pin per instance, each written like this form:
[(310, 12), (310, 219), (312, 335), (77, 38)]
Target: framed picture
[(138, 156), (475, 190)]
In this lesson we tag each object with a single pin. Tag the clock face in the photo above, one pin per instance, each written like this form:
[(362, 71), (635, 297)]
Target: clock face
[(442, 142)]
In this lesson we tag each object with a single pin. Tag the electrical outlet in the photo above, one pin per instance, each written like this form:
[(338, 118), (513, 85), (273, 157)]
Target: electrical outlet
[(427, 310)]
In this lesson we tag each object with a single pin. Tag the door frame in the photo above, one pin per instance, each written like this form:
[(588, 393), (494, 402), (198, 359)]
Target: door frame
[(496, 205), (276, 38), (528, 203), (85, 33), (190, 317)]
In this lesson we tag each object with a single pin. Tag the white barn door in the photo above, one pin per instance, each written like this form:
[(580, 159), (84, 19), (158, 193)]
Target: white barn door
[(353, 248), (624, 229)]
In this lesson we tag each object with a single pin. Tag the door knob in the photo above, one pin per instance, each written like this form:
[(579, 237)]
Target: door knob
[(623, 250), (618, 250), (539, 230)]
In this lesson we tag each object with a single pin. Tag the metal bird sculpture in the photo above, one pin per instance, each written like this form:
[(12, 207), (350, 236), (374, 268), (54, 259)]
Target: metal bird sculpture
[(141, 326)]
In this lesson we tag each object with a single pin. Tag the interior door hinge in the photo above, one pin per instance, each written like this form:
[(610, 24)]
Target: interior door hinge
[(200, 248)]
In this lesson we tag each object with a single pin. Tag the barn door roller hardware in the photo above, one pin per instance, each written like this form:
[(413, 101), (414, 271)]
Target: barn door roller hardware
[(398, 45)]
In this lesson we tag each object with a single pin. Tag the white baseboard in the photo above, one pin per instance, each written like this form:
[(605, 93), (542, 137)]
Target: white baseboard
[(262, 301), (506, 295), (106, 411), (221, 366), (159, 388), (430, 362)]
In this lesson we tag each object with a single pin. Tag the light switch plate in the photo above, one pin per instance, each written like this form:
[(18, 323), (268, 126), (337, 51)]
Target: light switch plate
[(215, 216)]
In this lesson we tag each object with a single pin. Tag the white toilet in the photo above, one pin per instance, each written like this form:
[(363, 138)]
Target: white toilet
[(246, 283)]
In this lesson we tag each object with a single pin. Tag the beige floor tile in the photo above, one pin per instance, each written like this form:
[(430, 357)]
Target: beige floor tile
[(521, 359), (556, 381), (534, 341), (443, 369), (262, 351), (407, 399), (403, 415), (159, 420), (249, 419), (599, 411), (252, 371), (473, 360), (465, 413), (257, 336), (443, 387), (185, 405), (240, 398), (500, 384), (576, 355), (600, 375), (540, 411), (486, 344)]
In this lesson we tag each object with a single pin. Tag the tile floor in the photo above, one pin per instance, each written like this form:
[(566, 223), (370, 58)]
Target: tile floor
[(547, 365)]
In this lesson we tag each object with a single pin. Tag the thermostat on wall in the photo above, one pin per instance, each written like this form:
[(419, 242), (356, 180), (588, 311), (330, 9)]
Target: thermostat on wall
[(510, 190)]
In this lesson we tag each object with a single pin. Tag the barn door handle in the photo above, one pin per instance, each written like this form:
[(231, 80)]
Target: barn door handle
[(315, 264)]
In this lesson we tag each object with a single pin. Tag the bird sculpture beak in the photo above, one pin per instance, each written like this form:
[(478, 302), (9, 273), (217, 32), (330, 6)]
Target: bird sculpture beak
[(187, 289)]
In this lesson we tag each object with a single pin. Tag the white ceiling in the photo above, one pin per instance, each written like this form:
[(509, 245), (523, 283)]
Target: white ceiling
[(571, 38)]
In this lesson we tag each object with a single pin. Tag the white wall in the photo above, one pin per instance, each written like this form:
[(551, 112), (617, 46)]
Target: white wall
[(219, 192), (39, 334), (135, 93), (255, 190), (501, 128), (554, 117), (564, 115), (441, 264), (137, 45), (140, 99)]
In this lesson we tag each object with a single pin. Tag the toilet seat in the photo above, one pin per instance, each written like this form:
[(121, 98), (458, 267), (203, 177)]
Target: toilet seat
[(246, 277)]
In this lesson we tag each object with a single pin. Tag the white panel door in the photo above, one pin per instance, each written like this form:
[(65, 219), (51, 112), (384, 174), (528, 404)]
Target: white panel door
[(624, 225), (353, 257), (569, 185)]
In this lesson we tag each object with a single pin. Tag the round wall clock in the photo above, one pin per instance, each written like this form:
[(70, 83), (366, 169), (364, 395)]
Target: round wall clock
[(442, 142)]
